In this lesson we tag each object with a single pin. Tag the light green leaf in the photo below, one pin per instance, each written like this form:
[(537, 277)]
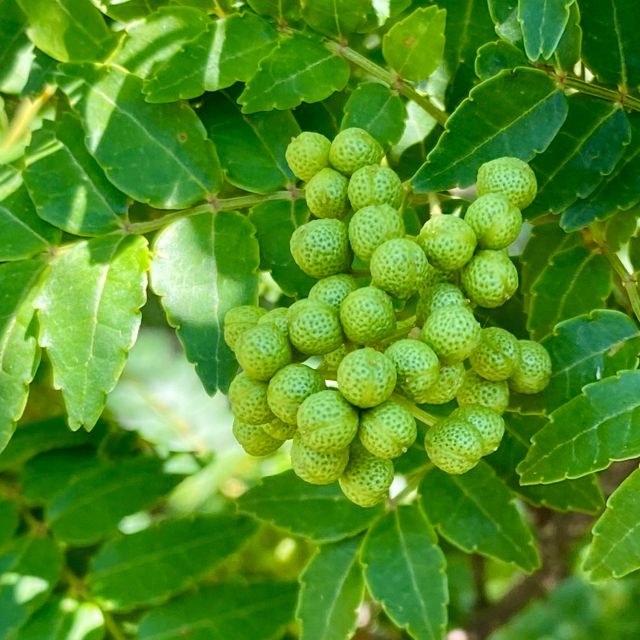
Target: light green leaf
[(336, 18), (158, 154), (97, 287), (476, 512), (543, 23), (16, 50), (494, 57), (9, 520), (405, 572), (203, 266)]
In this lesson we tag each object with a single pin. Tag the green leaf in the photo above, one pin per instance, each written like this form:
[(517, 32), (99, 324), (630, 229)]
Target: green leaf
[(128, 10), (587, 433), (66, 184), (323, 117), (331, 592), (494, 57), (569, 49), (513, 114), (320, 513), (587, 147), (282, 10), (203, 266), (476, 512), (376, 109), (156, 154), (9, 520), (19, 352), (543, 23), (298, 70), (275, 222), (42, 72), (405, 572), (336, 18), (504, 14), (16, 50), (574, 282), (97, 287)]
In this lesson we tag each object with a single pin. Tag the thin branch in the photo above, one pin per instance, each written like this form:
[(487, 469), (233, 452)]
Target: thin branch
[(597, 91), (112, 627), (415, 411)]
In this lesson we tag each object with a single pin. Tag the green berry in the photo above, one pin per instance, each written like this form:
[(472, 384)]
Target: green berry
[(452, 332), (262, 351), (315, 467), (367, 478), (533, 371), (279, 429), (375, 185), (496, 355), (254, 439), (435, 276), (326, 194), (454, 445), (367, 316), (510, 177), (490, 425), (352, 149), (437, 297), (446, 387), (477, 390), (490, 278), (248, 399), (448, 241), (240, 319), (333, 290), (308, 154), (494, 220), (278, 317), (388, 430), (417, 367), (321, 248), (327, 422), (366, 377), (290, 387), (314, 327), (332, 360), (398, 267), (373, 225)]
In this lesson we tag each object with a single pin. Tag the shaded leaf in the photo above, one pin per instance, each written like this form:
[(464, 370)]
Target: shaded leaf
[(336, 18), (41, 73), (323, 117), (494, 57), (543, 23), (504, 14), (9, 520), (569, 49), (620, 228), (16, 50)]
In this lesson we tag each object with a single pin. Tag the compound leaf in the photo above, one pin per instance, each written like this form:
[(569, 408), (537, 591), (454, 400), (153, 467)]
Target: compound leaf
[(543, 23)]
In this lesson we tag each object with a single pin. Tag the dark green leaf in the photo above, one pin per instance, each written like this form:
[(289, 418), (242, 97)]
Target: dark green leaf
[(9, 520), (568, 51), (323, 117), (42, 73), (505, 16), (336, 18), (543, 23), (620, 228), (16, 50), (282, 10), (494, 57)]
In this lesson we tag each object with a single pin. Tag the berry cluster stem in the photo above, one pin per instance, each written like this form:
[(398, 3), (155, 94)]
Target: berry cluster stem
[(415, 411)]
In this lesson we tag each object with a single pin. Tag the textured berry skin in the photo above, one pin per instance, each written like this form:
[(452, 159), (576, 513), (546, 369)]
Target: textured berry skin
[(388, 430), (279, 429), (352, 149), (327, 422), (454, 445), (489, 424), (448, 241), (289, 388), (510, 177), (367, 316), (398, 267), (278, 317), (248, 399), (437, 297), (240, 319), (446, 387), (496, 355), (315, 467), (326, 194), (494, 220), (533, 370), (371, 226), (308, 154), (262, 351), (417, 367), (332, 360), (477, 390), (366, 377), (367, 478), (254, 439), (452, 332), (314, 327), (333, 290), (375, 185), (490, 279), (321, 248), (435, 276)]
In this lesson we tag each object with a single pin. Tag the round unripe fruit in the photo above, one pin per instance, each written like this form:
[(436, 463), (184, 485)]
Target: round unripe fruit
[(496, 355), (254, 439), (352, 149), (308, 154), (290, 387), (435, 276), (315, 467), (279, 429), (278, 317), (489, 424), (367, 316), (437, 297), (248, 399), (374, 185), (333, 290), (510, 177), (371, 226), (446, 387), (367, 478), (490, 279), (533, 370), (398, 267), (494, 220), (448, 241), (326, 194), (240, 319), (454, 445), (388, 430), (314, 327), (262, 351), (321, 248), (327, 422), (477, 390), (366, 377), (332, 360), (452, 332), (417, 367)]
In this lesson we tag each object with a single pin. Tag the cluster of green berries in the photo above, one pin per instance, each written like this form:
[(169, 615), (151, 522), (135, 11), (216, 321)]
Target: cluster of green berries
[(350, 417)]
